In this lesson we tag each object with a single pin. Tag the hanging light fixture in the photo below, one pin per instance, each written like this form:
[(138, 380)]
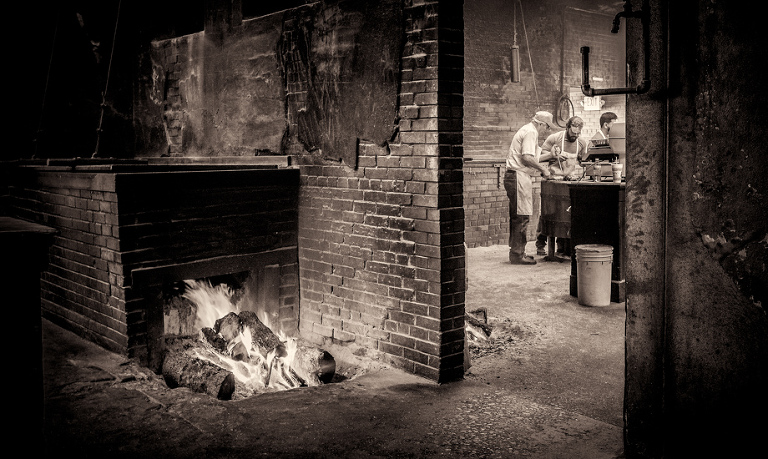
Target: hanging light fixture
[(515, 58)]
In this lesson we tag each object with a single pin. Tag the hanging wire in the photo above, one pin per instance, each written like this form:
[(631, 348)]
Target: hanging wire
[(106, 85), (528, 46), (514, 25), (45, 89)]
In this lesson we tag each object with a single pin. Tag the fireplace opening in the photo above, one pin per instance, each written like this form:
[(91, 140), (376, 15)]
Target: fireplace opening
[(220, 339)]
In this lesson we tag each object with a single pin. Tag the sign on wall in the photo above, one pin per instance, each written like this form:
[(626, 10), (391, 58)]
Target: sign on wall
[(593, 103)]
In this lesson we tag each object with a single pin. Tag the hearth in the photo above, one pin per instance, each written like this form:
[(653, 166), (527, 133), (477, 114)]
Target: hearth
[(220, 337), (131, 231)]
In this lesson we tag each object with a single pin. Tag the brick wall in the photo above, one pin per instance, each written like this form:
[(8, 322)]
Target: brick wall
[(158, 226), (82, 286), (549, 36), (380, 245), (487, 206), (607, 53)]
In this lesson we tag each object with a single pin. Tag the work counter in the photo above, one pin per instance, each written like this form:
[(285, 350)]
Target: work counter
[(587, 213)]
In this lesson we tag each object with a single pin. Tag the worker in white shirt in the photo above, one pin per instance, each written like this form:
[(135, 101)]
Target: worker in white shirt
[(525, 161)]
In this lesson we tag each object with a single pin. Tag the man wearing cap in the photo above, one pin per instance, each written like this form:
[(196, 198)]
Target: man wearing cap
[(524, 161)]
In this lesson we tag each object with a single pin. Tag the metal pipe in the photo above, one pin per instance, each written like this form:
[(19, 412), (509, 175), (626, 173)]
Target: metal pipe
[(627, 13), (643, 87), (515, 64), (645, 84)]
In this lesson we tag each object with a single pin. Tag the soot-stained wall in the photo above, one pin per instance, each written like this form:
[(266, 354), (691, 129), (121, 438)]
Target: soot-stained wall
[(697, 225), (349, 61), (222, 92), (366, 98)]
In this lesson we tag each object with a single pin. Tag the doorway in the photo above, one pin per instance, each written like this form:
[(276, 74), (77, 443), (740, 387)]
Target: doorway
[(520, 59)]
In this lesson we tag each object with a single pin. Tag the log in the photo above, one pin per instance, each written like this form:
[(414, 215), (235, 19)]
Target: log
[(314, 366), (476, 324), (182, 367), (229, 329), (214, 339), (229, 326), (262, 338)]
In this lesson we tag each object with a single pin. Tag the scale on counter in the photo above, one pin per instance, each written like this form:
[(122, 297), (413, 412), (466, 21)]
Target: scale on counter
[(599, 153), (600, 150)]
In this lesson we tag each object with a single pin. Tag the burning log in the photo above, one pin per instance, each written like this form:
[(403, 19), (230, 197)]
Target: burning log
[(240, 349), (184, 366), (213, 338), (476, 324), (262, 338), (226, 333), (314, 366)]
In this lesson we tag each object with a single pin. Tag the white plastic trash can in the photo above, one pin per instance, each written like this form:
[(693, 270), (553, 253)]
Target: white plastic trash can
[(593, 271)]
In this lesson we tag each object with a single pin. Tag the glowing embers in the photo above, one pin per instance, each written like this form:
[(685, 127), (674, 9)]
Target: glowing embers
[(233, 351)]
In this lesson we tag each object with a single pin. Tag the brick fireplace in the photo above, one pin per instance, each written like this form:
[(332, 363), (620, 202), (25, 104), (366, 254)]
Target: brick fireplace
[(129, 229), (365, 97)]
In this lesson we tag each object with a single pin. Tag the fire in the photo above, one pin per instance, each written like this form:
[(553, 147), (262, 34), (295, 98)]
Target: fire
[(256, 368), (213, 302)]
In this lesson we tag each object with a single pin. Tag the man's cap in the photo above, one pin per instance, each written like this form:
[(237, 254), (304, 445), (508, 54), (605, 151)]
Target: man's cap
[(544, 117)]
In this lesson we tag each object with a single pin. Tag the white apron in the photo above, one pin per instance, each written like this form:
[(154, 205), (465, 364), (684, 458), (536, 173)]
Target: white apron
[(525, 188), (524, 193), (562, 146)]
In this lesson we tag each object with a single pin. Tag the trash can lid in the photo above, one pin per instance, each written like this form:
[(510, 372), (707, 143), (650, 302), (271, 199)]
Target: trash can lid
[(594, 248)]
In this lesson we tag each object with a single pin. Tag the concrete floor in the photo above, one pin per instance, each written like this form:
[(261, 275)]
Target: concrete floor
[(549, 384)]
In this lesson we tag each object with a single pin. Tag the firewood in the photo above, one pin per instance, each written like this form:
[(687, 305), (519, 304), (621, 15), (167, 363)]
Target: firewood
[(476, 328), (230, 329), (229, 326), (183, 367), (314, 366), (262, 338), (214, 339)]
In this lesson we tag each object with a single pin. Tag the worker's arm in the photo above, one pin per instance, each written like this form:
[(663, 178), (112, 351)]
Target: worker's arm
[(530, 161), (529, 147), (547, 156), (550, 150)]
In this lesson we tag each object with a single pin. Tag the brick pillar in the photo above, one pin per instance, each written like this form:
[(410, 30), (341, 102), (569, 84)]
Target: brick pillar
[(381, 246), (434, 71)]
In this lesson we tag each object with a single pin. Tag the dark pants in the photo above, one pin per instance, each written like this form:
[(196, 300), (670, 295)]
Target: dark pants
[(563, 244), (518, 224)]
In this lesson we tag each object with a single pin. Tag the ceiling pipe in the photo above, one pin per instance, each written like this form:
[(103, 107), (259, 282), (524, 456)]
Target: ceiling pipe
[(645, 16)]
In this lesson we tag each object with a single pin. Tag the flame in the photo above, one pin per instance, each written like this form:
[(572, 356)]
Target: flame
[(257, 373), (213, 302)]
